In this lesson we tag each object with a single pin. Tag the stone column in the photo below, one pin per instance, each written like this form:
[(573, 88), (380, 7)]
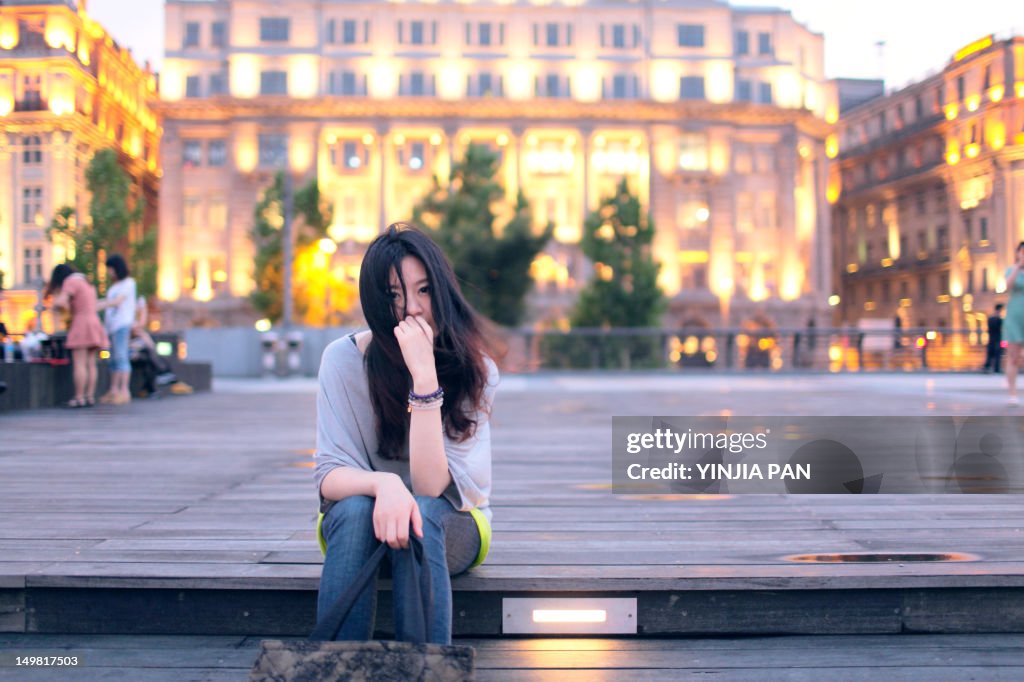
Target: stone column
[(383, 130)]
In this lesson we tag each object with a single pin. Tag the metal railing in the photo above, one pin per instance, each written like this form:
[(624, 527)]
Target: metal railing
[(766, 350)]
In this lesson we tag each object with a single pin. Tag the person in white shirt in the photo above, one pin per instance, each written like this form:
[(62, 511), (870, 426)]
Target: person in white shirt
[(118, 317)]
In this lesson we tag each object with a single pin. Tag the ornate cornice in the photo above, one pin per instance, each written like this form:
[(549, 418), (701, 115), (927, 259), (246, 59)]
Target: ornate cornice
[(499, 111)]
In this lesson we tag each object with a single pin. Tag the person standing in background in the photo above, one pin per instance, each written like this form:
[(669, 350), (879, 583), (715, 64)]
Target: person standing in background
[(118, 318), (995, 340), (85, 333), (1013, 324)]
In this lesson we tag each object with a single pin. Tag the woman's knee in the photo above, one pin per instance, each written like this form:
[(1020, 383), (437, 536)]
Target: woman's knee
[(351, 511), (434, 509)]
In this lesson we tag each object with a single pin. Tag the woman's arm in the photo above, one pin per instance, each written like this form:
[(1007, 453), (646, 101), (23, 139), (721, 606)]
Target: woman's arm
[(61, 300), (110, 302), (343, 470), (428, 464), (343, 481)]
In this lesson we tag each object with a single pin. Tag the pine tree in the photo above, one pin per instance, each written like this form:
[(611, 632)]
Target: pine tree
[(623, 293), (491, 262)]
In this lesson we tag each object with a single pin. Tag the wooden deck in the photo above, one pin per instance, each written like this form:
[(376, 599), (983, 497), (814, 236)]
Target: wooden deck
[(133, 520)]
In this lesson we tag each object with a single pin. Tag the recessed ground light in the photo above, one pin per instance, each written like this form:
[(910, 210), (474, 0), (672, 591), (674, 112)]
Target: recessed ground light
[(569, 616)]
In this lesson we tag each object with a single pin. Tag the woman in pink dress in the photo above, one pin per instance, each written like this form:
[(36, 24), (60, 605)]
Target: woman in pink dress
[(86, 335)]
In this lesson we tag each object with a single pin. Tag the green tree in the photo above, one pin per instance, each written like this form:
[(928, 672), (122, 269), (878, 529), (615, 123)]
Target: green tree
[(623, 293), (113, 212), (312, 217), (492, 262)]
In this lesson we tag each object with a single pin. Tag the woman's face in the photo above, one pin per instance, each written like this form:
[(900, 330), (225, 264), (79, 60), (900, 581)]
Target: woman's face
[(415, 300)]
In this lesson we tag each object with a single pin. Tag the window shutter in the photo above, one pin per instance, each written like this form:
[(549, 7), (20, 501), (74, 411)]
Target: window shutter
[(602, 35), (501, 86), (469, 38), (401, 32), (433, 85), (568, 35), (501, 33), (535, 32), (330, 31), (433, 33), (366, 31), (636, 35)]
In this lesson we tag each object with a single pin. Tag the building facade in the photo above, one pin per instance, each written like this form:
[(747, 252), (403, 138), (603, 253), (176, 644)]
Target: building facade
[(928, 194), (717, 117), (67, 90)]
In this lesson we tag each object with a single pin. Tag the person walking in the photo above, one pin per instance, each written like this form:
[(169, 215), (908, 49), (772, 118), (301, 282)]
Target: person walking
[(994, 349), (403, 433), (86, 336), (1013, 324), (118, 317)]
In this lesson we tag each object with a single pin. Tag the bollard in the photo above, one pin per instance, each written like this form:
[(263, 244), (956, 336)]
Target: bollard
[(268, 342), (294, 343)]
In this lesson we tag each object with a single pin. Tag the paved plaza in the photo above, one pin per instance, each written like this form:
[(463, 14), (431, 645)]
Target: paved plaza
[(213, 493)]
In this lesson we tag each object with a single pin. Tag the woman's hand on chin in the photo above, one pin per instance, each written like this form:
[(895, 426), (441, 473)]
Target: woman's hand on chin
[(416, 339)]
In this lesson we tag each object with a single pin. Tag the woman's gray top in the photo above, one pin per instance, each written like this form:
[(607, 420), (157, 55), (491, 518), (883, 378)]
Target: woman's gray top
[(346, 436)]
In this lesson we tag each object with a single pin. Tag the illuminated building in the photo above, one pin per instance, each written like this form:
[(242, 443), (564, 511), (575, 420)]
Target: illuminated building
[(717, 116), (929, 193), (67, 90)]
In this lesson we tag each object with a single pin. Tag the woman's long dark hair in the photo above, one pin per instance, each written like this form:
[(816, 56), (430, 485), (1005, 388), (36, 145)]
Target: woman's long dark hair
[(60, 273), (461, 345)]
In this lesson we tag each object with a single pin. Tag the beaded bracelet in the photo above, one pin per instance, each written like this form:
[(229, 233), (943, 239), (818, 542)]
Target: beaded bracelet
[(439, 393), (420, 406)]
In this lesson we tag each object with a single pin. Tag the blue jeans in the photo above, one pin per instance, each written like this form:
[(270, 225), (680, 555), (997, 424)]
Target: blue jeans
[(119, 360), (451, 542)]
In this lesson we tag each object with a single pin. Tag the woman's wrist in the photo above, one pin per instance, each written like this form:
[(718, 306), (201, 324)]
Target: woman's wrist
[(384, 479), (425, 383)]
